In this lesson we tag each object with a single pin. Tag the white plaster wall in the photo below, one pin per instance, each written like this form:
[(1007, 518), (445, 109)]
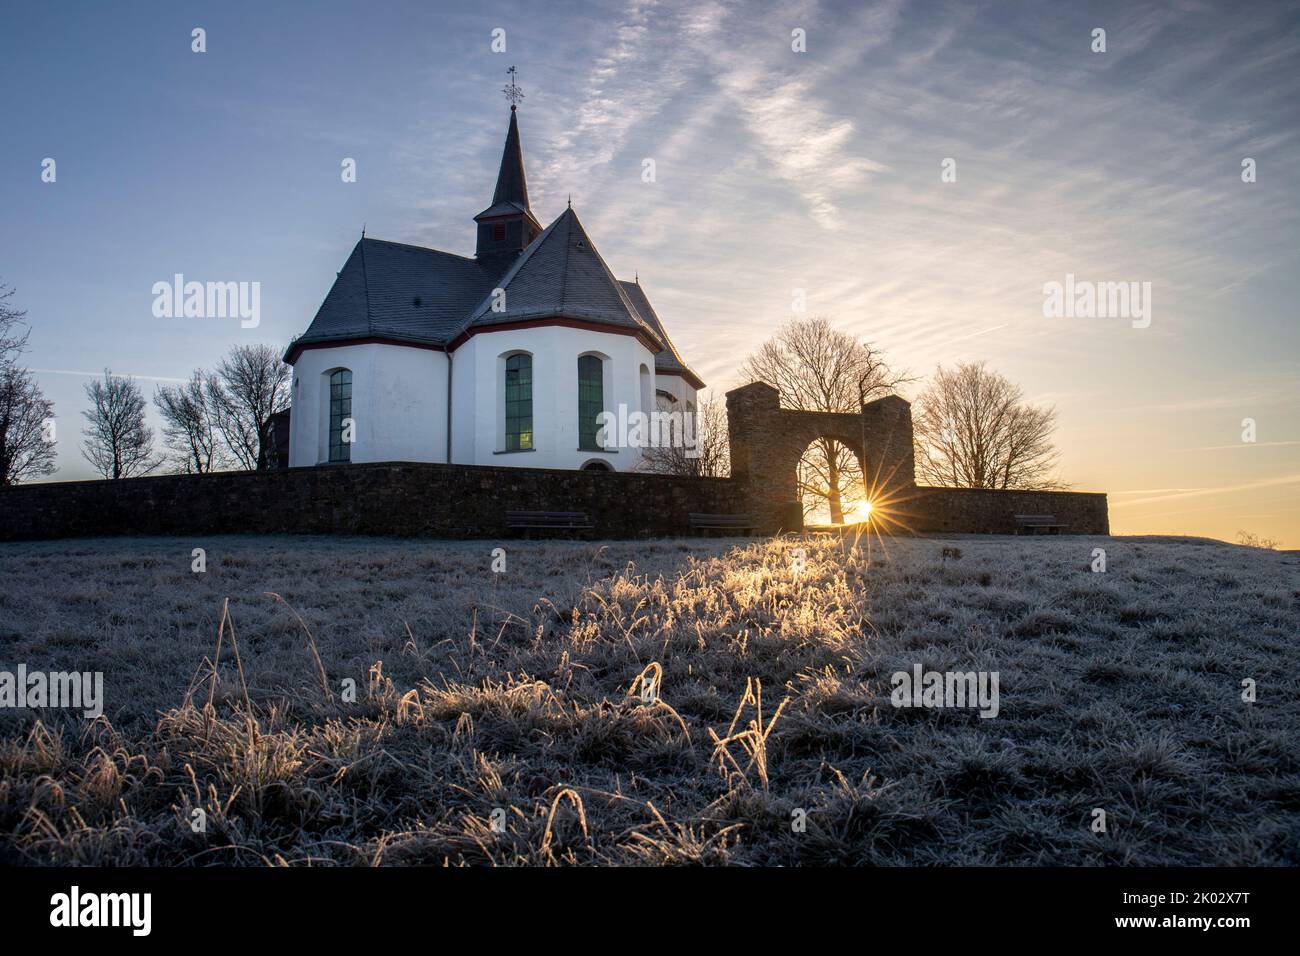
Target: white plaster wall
[(678, 386), (399, 403), (478, 433), (465, 446)]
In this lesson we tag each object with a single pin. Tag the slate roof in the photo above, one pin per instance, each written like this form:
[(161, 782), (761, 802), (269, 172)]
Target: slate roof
[(668, 359), (561, 274), (392, 290)]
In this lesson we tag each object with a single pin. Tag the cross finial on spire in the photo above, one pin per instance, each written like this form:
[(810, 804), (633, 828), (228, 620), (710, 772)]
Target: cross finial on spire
[(512, 91)]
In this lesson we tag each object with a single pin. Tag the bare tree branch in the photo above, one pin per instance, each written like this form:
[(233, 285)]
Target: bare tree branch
[(251, 385), (26, 447), (13, 332), (711, 443), (190, 429)]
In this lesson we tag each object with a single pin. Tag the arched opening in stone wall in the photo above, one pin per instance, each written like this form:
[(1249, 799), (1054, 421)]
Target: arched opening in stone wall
[(828, 481), (775, 472)]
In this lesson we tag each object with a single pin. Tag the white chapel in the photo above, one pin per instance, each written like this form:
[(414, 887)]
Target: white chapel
[(505, 358)]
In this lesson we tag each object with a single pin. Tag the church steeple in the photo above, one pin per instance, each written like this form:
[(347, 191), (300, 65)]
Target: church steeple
[(507, 226), (512, 185)]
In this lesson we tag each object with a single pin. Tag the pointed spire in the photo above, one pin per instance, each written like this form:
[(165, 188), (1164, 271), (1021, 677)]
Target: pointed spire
[(511, 184), (507, 226)]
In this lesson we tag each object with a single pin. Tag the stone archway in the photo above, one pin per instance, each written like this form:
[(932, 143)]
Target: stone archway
[(768, 440)]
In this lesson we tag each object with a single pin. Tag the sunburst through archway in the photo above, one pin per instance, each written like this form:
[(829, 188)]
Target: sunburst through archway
[(859, 513)]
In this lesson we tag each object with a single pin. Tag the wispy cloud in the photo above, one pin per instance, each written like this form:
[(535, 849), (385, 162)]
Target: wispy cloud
[(1222, 490), (146, 378), (1242, 444)]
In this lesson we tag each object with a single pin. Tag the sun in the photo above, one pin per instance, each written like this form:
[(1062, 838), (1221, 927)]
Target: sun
[(860, 513)]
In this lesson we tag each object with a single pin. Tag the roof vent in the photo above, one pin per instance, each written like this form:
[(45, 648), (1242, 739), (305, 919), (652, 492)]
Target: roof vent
[(417, 302), (580, 244)]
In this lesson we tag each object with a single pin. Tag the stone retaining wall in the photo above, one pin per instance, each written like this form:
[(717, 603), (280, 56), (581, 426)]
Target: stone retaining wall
[(407, 499), (978, 511), (462, 501)]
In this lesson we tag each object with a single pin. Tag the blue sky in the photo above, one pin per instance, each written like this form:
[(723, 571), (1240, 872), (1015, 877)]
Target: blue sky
[(775, 171)]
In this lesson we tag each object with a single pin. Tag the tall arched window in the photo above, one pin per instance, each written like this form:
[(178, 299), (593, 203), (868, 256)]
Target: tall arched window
[(647, 390), (591, 399), (519, 402), (341, 415)]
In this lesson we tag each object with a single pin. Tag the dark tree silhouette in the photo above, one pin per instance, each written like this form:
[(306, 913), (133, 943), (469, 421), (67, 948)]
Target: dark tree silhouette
[(26, 443), (117, 441), (974, 430), (251, 384), (190, 430)]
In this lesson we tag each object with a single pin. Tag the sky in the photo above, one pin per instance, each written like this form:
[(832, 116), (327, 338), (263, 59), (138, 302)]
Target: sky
[(775, 170)]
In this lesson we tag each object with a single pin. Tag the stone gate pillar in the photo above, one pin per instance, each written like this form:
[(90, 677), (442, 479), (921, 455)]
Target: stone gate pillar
[(766, 485)]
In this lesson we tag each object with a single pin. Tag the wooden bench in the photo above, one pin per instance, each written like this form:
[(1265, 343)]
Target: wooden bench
[(707, 522), (529, 521), (1038, 524)]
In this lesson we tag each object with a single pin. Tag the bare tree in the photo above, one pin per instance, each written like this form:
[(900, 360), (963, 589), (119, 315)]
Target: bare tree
[(26, 441), (190, 430), (829, 476), (251, 385), (118, 442), (974, 430), (710, 454), (818, 368)]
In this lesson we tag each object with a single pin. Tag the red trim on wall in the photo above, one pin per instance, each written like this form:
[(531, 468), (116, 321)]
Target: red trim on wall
[(465, 336), (297, 350), (690, 377)]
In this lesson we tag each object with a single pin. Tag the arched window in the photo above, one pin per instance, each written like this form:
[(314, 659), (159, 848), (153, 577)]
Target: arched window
[(519, 402), (591, 399), (647, 390), (341, 430)]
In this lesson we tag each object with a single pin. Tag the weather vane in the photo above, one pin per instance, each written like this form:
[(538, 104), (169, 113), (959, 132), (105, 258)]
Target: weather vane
[(512, 91)]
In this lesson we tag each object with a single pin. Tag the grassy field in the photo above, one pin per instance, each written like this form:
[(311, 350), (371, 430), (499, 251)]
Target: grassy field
[(504, 718)]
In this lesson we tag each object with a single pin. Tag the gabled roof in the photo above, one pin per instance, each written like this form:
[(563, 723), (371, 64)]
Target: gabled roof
[(561, 275), (668, 359)]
